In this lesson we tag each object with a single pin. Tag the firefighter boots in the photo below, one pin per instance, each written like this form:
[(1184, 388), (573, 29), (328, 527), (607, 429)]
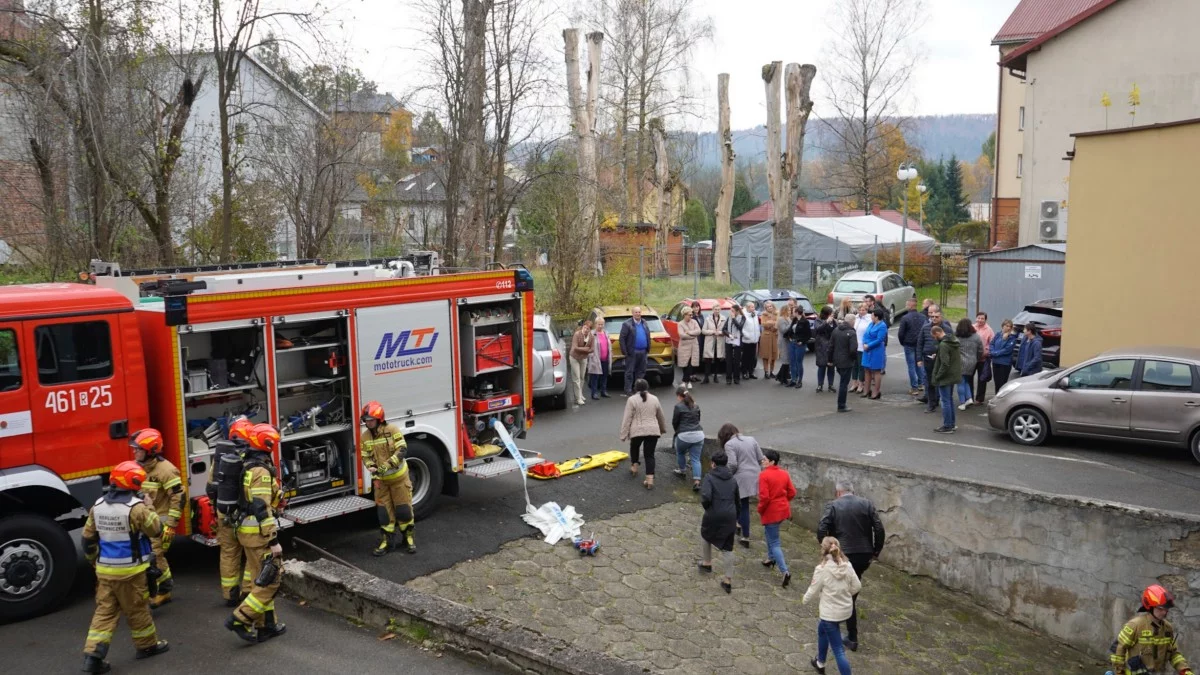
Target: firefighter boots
[(241, 630), (409, 541), (386, 544), (94, 662), (159, 647), (271, 628)]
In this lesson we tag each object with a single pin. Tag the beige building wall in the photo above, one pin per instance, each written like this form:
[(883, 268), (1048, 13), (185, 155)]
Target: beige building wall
[(1150, 42), (1009, 134), (1134, 238)]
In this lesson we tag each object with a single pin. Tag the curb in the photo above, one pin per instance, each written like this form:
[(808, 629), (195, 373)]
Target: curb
[(478, 635)]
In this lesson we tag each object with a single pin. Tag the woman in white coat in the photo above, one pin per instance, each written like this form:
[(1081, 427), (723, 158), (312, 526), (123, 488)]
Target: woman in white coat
[(714, 344)]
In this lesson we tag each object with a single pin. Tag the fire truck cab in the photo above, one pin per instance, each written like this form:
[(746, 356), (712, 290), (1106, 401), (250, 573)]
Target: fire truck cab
[(301, 345)]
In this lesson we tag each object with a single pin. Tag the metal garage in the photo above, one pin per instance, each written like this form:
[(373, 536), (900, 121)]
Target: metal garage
[(1001, 283)]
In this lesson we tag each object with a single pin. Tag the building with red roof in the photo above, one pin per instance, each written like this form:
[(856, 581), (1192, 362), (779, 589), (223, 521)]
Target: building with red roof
[(1060, 62)]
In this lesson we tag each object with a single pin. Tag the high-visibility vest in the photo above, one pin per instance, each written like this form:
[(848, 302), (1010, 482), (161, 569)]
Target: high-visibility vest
[(118, 557)]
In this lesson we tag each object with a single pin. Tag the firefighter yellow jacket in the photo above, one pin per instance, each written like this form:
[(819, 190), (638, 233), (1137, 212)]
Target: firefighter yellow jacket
[(117, 534), (262, 495), (1152, 640), (383, 452), (165, 489)]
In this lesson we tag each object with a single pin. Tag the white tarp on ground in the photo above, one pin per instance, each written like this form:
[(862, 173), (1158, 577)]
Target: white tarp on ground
[(822, 247)]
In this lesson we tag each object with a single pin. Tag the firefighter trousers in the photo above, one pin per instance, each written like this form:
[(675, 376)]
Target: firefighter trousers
[(231, 563), (393, 501), (115, 597), (160, 561), (261, 599)]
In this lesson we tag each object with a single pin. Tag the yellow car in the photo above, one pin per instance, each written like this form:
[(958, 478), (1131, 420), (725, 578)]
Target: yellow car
[(660, 361)]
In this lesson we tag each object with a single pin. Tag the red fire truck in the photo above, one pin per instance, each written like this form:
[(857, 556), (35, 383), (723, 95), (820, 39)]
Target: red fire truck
[(301, 345)]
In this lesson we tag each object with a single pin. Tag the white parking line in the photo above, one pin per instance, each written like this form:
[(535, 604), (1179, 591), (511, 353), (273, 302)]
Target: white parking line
[(1019, 452)]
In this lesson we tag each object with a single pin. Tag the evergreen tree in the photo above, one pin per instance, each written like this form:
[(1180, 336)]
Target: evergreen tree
[(957, 201), (695, 221)]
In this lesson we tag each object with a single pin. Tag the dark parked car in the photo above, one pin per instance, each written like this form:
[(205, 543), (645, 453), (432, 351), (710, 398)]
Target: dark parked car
[(1047, 315), (779, 298)]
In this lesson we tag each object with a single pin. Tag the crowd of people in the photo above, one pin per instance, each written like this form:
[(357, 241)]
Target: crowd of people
[(943, 361)]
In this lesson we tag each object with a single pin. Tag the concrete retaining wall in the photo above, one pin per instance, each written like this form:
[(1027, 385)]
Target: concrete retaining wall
[(1071, 568), (385, 605)]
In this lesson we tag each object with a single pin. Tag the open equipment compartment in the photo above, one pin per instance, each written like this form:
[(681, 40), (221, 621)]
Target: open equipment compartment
[(223, 375), (490, 340), (313, 399)]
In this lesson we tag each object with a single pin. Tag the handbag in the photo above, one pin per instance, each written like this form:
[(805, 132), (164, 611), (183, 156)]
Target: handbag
[(985, 371)]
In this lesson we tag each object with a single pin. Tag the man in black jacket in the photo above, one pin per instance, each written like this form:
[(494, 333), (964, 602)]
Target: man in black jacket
[(911, 323), (927, 349), (855, 523), (843, 354)]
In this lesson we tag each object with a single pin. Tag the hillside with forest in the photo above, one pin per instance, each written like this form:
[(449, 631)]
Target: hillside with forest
[(937, 136)]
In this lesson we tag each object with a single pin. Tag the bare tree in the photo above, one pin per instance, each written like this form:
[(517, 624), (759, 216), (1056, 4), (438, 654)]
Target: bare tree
[(233, 36), (870, 66), (725, 201), (648, 74), (518, 76), (664, 188), (799, 105), (475, 23), (583, 116)]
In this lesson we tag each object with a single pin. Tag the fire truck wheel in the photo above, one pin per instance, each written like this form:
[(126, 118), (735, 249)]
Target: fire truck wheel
[(426, 471), (37, 566)]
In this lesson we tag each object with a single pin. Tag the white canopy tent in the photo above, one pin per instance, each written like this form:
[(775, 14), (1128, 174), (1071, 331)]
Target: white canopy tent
[(822, 249)]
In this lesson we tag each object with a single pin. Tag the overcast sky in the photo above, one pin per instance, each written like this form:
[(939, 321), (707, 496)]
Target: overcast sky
[(957, 75)]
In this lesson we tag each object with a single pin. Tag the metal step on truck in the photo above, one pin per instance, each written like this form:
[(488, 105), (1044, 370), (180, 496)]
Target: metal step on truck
[(301, 345)]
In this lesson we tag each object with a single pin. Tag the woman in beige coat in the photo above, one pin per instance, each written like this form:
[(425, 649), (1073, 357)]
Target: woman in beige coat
[(643, 423), (714, 344), (688, 353), (768, 344)]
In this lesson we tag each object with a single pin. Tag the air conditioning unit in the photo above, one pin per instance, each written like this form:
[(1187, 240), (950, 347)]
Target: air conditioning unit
[(1052, 225)]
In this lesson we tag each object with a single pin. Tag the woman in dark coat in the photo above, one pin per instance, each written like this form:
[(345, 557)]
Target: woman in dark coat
[(719, 497), (823, 347)]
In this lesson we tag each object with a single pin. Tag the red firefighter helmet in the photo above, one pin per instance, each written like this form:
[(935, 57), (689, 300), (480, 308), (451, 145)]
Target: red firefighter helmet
[(128, 475), (1157, 596), (240, 429), (373, 410), (264, 438), (149, 440)]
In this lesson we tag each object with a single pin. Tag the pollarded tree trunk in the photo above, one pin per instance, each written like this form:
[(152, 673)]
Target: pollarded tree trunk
[(583, 119), (781, 268), (798, 83), (662, 184), (725, 199)]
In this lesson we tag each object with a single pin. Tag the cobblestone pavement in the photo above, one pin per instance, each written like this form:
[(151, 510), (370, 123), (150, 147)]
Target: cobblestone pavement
[(642, 598)]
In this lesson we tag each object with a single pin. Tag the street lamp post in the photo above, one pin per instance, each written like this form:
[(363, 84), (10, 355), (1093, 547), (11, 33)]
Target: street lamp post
[(905, 173), (921, 189)]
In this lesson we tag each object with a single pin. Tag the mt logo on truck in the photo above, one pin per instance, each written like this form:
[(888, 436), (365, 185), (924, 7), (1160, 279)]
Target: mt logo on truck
[(393, 350)]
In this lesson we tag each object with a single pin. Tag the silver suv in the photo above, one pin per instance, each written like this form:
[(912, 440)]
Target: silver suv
[(549, 363), (890, 290)]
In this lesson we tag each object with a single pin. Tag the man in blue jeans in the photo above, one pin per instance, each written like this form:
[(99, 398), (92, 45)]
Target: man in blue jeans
[(911, 323), (927, 347), (946, 375), (635, 346)]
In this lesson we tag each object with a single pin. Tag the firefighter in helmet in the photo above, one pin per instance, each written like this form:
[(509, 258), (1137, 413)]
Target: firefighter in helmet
[(1146, 644), (117, 541), (383, 451), (165, 490), (232, 564), (254, 619)]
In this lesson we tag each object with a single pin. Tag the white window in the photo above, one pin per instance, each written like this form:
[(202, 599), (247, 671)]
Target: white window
[(1020, 165), (1021, 119)]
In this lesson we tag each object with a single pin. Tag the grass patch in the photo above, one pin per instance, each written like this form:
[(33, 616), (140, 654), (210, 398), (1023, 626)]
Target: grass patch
[(956, 305)]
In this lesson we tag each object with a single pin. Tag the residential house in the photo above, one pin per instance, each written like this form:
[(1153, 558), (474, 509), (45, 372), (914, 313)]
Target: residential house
[(429, 155), (408, 214), (1058, 60), (622, 244), (1130, 184), (374, 116), (816, 209)]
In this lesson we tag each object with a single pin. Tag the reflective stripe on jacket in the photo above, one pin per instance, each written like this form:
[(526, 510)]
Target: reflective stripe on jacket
[(1151, 641), (165, 488)]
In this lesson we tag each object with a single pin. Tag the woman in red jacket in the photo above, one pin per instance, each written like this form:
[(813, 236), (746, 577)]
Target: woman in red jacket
[(775, 494)]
